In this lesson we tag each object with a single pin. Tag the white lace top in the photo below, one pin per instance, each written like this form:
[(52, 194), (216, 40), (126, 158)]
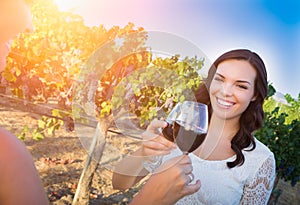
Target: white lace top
[(249, 184)]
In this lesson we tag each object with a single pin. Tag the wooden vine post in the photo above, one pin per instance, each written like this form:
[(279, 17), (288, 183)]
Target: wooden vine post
[(84, 184), (92, 162)]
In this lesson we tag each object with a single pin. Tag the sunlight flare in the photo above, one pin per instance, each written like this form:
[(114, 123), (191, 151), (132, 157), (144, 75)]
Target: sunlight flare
[(68, 5)]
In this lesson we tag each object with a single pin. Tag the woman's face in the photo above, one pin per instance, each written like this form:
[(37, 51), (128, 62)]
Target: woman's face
[(15, 17), (232, 88)]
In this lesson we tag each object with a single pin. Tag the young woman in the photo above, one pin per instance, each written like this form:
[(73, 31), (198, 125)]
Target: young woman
[(19, 179), (231, 164)]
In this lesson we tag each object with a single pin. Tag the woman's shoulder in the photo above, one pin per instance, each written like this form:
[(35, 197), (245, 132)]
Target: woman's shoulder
[(260, 154), (11, 148), (261, 158), (18, 172), (8, 140), (262, 148)]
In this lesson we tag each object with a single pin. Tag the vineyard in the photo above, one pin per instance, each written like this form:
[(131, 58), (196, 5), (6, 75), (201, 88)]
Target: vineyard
[(60, 160), (73, 92)]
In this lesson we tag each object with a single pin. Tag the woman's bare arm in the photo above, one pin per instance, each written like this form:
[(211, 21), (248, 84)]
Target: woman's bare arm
[(19, 180)]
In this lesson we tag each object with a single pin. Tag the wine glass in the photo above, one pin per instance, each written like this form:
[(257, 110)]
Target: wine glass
[(187, 125), (190, 126)]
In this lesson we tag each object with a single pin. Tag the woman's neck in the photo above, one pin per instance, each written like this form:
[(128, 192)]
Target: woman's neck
[(223, 128), (217, 144)]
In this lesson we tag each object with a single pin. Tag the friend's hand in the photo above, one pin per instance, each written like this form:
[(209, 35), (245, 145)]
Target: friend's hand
[(169, 184), (133, 168), (154, 143)]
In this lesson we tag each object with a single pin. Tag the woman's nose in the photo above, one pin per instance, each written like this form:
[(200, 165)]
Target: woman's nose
[(226, 89)]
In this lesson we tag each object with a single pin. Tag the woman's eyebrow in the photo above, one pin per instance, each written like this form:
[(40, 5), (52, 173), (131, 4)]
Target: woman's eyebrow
[(244, 81), (220, 75)]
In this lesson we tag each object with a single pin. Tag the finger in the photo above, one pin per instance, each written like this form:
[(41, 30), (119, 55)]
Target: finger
[(185, 160), (150, 136), (151, 144), (153, 131), (192, 188), (154, 149), (150, 152), (187, 169), (187, 179), (191, 176), (171, 145), (180, 162), (156, 124)]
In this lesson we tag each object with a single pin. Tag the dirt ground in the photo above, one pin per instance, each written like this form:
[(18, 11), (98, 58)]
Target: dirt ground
[(60, 160)]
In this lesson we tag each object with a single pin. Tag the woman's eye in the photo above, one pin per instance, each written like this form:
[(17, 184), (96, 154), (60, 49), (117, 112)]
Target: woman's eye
[(243, 87), (218, 79)]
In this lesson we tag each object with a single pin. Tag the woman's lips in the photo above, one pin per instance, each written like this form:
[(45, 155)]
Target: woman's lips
[(225, 103)]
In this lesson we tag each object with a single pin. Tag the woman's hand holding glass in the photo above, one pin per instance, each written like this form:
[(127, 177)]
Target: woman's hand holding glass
[(154, 143)]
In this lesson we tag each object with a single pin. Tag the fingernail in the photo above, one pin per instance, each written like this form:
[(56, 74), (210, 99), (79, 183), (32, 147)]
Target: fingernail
[(198, 181)]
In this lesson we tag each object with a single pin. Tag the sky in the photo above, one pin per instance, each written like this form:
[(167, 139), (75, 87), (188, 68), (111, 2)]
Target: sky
[(271, 28)]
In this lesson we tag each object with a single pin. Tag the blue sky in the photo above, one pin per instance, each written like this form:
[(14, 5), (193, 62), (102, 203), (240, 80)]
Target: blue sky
[(269, 27)]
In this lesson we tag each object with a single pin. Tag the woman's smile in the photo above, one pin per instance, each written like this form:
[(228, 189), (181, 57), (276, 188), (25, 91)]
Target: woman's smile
[(225, 103)]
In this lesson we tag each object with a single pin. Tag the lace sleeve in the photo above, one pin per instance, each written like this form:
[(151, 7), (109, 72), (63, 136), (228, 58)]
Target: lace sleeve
[(259, 188)]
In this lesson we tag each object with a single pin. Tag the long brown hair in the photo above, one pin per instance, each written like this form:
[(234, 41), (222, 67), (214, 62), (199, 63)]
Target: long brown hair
[(253, 116)]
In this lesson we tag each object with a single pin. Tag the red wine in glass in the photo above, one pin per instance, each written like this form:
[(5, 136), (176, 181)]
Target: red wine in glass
[(188, 129), (187, 140), (168, 132)]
